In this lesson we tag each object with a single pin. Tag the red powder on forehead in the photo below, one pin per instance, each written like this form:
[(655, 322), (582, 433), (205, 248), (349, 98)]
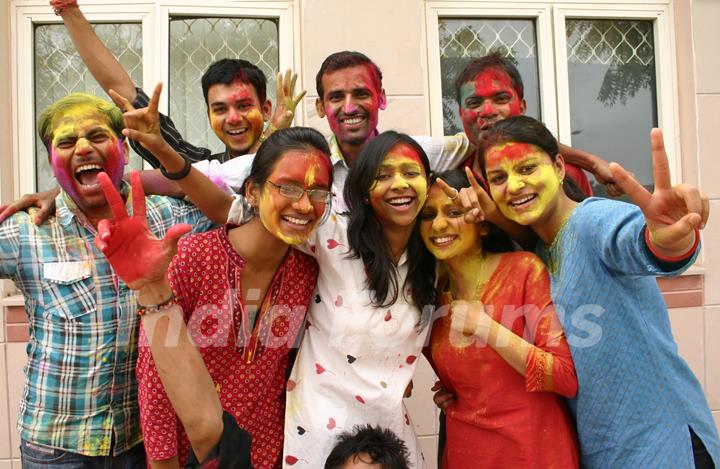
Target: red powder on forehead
[(403, 149), (493, 81), (242, 92), (512, 151)]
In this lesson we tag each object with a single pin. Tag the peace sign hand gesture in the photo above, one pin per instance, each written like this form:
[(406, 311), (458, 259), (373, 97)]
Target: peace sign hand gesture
[(142, 125), (136, 255), (673, 213), (476, 202)]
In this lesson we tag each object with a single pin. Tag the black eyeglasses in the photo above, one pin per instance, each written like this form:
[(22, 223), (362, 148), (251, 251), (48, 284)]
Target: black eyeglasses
[(293, 192)]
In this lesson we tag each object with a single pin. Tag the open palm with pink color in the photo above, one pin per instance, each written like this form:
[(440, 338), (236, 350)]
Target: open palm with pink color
[(136, 255)]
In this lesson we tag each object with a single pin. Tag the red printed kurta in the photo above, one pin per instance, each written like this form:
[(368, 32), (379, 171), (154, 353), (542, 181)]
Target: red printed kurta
[(500, 418), (249, 368)]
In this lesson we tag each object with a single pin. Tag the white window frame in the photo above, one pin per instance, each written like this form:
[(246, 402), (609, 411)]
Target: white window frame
[(542, 14), (552, 57), (155, 18)]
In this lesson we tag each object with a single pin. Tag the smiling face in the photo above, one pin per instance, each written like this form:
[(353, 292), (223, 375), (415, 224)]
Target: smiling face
[(82, 145), (352, 101), (236, 115), (293, 220), (486, 100), (524, 181), (443, 227), (400, 188)]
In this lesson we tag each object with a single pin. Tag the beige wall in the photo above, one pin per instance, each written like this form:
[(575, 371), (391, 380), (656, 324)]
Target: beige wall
[(330, 25), (706, 37)]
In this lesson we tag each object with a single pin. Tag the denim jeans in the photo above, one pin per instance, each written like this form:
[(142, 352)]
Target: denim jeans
[(35, 456)]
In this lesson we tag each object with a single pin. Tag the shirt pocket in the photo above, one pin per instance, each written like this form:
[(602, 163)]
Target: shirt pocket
[(69, 290)]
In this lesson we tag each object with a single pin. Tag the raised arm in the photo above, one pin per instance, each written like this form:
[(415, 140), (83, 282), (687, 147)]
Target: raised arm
[(99, 60), (143, 126), (673, 214), (142, 260)]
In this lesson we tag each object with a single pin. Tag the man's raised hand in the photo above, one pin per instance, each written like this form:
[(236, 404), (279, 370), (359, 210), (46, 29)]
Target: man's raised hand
[(142, 125), (136, 255)]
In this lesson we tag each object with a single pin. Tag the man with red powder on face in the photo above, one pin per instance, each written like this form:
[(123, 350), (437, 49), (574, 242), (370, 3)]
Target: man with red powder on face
[(490, 89), (79, 404)]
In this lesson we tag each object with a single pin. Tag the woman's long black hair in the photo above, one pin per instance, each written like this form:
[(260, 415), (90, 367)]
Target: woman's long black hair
[(367, 238)]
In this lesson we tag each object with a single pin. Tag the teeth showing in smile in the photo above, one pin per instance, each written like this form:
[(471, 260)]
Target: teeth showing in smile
[(521, 201), (352, 120), (400, 201), (86, 174), (297, 221), (443, 239), (236, 131), (87, 167)]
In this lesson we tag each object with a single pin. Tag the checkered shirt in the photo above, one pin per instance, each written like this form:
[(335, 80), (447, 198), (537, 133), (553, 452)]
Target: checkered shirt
[(80, 385)]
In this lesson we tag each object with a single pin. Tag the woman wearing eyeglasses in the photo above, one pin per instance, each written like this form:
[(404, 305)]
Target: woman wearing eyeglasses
[(244, 291)]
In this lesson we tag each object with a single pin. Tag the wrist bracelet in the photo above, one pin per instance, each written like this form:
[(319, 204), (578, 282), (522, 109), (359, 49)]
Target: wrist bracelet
[(142, 310), (179, 174), (664, 258)]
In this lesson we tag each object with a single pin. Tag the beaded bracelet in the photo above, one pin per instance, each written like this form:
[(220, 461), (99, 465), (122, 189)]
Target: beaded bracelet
[(142, 310)]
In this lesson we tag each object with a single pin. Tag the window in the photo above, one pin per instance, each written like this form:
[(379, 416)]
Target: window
[(45, 65), (462, 39), (612, 84), (599, 76)]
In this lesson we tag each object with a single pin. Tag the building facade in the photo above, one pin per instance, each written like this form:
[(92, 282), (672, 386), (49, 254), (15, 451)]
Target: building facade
[(600, 74)]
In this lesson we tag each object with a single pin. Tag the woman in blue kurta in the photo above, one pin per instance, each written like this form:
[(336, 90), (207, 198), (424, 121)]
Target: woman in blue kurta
[(638, 403)]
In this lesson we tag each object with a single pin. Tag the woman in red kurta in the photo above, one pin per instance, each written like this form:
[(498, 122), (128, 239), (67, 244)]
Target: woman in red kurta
[(244, 292), (500, 349)]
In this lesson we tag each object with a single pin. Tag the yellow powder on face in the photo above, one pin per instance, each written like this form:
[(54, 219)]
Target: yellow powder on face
[(544, 181)]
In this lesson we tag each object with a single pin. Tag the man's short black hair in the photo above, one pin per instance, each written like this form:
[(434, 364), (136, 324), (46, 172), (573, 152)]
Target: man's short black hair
[(380, 445), (346, 59), (491, 60), (226, 71)]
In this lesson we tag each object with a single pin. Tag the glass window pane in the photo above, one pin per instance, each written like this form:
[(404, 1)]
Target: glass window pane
[(59, 70), (611, 72), (462, 39), (195, 43)]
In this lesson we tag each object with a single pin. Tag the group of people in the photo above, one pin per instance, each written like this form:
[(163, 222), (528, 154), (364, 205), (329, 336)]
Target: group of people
[(284, 331)]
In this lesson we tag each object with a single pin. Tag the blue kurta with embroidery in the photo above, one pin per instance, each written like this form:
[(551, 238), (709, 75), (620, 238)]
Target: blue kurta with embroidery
[(636, 396)]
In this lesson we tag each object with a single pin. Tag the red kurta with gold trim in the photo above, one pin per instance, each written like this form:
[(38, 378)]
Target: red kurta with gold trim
[(249, 367), (500, 418)]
